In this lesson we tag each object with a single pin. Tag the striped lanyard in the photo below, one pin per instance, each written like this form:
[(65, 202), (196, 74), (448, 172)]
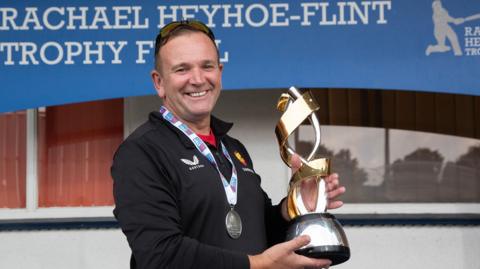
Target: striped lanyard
[(230, 188)]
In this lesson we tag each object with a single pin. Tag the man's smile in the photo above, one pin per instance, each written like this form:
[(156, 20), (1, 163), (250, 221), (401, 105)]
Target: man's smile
[(197, 94)]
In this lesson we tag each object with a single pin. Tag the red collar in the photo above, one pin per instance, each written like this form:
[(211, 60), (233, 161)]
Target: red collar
[(210, 138)]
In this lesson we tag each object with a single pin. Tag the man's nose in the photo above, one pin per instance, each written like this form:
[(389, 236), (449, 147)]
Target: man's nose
[(197, 77)]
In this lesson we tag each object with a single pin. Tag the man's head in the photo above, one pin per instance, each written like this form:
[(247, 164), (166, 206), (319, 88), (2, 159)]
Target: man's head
[(187, 74)]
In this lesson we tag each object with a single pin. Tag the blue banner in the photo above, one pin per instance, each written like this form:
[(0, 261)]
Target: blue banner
[(56, 52)]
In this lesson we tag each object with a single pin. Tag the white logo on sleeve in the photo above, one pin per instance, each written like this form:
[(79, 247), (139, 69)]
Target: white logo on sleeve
[(193, 164)]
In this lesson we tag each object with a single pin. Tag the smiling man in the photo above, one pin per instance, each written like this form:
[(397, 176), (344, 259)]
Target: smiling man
[(188, 78), (186, 193)]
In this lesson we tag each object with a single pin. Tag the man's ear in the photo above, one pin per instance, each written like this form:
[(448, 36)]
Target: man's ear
[(158, 83)]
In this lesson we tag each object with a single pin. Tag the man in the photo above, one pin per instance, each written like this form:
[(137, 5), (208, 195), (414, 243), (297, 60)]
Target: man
[(182, 197)]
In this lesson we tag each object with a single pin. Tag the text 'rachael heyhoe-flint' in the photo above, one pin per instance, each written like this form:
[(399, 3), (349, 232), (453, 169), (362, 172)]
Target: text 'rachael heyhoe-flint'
[(57, 24), (216, 15)]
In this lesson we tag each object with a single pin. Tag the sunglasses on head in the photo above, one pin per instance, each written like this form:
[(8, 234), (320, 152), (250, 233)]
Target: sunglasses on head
[(187, 24)]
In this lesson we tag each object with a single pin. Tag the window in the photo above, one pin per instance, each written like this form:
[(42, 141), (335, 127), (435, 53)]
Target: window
[(397, 152), (75, 150), (12, 159), (393, 147), (381, 165), (55, 161)]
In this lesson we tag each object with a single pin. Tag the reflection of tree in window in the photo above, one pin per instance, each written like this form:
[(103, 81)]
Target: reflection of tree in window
[(471, 159), (415, 178), (460, 180)]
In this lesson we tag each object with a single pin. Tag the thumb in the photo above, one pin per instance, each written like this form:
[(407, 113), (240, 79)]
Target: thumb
[(298, 242)]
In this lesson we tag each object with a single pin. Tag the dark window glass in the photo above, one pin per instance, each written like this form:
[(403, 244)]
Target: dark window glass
[(13, 159), (76, 146)]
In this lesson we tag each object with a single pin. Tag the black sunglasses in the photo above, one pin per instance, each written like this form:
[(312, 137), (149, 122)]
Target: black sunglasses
[(166, 30)]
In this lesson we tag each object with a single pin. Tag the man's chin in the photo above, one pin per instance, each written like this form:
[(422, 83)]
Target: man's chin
[(199, 114), (200, 109)]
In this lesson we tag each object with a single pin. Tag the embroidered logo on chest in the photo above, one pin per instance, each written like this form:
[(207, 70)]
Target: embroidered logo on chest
[(193, 164), (240, 158)]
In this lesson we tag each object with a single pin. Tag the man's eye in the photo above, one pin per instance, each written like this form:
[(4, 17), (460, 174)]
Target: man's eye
[(209, 66), (180, 70)]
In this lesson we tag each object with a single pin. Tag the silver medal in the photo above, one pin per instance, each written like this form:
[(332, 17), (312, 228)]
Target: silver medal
[(233, 222)]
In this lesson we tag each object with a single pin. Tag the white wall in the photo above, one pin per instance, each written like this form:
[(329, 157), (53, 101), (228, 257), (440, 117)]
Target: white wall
[(64, 249), (425, 247)]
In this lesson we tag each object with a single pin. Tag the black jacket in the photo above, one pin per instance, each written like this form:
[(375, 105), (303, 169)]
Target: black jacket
[(171, 204)]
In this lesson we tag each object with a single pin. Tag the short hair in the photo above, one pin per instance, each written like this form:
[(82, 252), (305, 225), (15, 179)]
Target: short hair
[(178, 28)]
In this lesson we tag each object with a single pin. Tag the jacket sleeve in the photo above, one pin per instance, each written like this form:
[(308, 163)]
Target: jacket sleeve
[(275, 223), (146, 207)]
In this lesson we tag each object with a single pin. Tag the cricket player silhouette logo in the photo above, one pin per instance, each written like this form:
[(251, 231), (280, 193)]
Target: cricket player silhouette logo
[(443, 31)]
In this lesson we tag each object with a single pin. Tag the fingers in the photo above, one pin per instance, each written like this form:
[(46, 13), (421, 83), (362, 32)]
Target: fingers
[(283, 256), (333, 186), (334, 204), (301, 241), (332, 181), (336, 192), (333, 191), (297, 242), (318, 263)]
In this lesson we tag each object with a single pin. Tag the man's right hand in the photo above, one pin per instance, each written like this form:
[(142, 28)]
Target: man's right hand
[(283, 256)]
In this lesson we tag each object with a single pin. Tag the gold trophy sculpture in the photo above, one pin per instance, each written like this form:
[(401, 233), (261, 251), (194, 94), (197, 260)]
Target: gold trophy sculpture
[(328, 240)]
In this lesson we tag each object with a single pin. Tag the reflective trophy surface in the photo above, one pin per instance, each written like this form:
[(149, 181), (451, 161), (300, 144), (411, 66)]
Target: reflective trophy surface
[(328, 240)]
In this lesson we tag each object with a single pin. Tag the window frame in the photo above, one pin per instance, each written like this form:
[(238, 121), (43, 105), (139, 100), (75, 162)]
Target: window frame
[(32, 211)]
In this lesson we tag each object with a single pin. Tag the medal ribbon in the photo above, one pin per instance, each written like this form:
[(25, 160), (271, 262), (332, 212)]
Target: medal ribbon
[(230, 188)]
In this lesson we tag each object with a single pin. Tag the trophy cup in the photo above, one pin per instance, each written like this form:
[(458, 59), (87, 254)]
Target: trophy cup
[(328, 240)]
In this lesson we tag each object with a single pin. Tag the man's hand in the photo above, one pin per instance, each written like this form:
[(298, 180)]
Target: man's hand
[(309, 190), (282, 256), (334, 190)]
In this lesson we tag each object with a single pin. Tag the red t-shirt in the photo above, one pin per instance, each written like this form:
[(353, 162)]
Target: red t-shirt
[(210, 138)]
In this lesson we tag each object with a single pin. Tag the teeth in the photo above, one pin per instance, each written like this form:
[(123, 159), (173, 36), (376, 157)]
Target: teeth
[(197, 94)]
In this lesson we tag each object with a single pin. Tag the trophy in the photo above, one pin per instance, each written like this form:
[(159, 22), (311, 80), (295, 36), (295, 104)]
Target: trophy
[(328, 240)]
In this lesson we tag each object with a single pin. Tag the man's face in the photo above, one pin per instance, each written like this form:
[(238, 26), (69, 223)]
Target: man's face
[(190, 77)]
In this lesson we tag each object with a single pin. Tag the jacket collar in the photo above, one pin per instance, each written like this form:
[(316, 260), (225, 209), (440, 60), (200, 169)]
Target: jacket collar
[(219, 127)]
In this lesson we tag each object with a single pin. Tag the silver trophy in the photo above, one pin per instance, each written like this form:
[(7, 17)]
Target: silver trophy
[(328, 240)]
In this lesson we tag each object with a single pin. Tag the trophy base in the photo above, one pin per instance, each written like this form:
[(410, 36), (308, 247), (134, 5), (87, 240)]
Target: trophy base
[(337, 254), (327, 238)]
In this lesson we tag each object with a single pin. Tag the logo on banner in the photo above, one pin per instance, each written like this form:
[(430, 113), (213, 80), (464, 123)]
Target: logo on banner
[(447, 39)]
